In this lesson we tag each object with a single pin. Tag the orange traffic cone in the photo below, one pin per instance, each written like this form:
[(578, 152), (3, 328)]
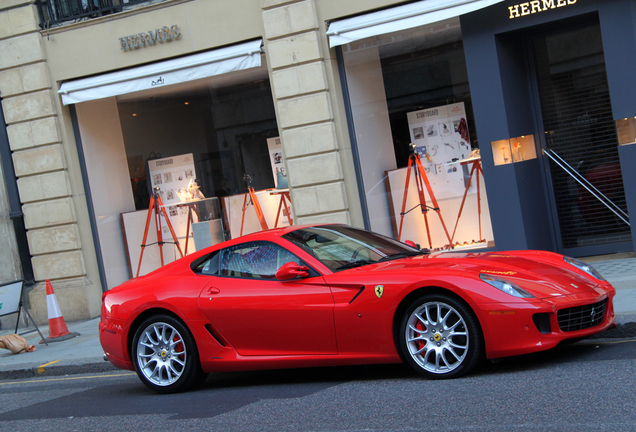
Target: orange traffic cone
[(57, 327)]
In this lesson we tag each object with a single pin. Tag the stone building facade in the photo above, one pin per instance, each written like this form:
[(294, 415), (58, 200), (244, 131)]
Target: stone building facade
[(41, 164)]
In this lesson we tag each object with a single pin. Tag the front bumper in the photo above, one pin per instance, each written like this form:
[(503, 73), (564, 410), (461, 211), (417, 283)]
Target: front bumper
[(523, 328)]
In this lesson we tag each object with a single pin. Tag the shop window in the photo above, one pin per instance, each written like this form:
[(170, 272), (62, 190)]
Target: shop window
[(224, 128), (626, 131), (513, 150), (416, 137), (198, 146)]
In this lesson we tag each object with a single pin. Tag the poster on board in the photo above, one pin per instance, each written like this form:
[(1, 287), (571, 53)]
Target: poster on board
[(278, 162), (171, 174), (441, 137)]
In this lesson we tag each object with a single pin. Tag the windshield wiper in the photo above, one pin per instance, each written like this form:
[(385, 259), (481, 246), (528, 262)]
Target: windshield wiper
[(355, 264), (398, 255)]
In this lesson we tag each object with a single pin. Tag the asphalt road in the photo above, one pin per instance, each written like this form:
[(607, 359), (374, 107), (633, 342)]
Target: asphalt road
[(586, 386)]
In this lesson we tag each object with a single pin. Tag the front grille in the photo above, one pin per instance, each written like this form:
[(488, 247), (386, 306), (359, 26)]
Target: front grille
[(581, 317)]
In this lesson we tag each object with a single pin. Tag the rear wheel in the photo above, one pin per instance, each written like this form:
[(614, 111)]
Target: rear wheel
[(165, 355), (440, 337)]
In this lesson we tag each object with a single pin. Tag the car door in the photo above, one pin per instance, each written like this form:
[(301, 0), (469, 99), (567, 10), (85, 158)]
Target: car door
[(260, 315)]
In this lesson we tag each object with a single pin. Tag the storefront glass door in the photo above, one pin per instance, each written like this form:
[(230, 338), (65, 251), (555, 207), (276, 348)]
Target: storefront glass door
[(576, 118)]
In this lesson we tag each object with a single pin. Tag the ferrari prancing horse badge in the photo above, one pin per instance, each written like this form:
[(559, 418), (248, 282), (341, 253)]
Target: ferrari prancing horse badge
[(379, 290)]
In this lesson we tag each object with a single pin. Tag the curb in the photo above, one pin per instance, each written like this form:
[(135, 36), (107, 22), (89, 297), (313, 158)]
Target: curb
[(50, 371)]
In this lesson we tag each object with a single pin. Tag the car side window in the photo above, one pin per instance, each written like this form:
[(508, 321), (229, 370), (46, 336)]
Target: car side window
[(254, 260), (209, 266)]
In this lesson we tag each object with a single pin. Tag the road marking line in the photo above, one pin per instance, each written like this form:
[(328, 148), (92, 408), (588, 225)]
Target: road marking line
[(41, 367), (66, 379)]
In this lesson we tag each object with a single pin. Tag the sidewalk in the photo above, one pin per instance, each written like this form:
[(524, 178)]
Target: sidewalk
[(84, 354), (621, 273)]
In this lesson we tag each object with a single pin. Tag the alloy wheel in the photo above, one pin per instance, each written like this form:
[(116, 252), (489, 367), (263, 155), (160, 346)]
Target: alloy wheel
[(161, 354), (437, 337)]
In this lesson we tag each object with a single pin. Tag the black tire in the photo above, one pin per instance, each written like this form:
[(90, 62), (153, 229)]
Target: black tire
[(165, 355), (440, 337)]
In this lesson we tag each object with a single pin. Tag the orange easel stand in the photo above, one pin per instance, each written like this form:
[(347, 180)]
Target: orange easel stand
[(285, 203), (421, 180), (476, 168), (257, 208), (157, 204)]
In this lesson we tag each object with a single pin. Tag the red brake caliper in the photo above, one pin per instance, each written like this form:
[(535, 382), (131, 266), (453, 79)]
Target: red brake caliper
[(179, 347), (421, 343)]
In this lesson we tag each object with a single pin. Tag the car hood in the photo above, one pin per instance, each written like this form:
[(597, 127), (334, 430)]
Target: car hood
[(539, 277)]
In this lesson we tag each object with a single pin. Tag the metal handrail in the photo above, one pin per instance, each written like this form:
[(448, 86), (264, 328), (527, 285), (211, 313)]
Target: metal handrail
[(587, 185)]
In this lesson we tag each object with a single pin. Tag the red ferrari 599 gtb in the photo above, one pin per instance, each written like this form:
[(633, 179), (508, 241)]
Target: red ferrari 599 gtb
[(321, 295)]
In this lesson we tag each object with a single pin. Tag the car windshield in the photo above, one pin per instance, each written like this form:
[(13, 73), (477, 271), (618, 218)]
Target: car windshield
[(340, 247)]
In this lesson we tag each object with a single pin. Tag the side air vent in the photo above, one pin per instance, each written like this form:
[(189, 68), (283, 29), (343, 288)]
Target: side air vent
[(542, 321), (210, 330)]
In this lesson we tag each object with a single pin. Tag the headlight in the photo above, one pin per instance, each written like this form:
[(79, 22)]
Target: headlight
[(585, 267), (505, 286)]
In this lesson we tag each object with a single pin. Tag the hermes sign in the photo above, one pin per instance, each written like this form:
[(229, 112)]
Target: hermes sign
[(536, 6), (163, 34)]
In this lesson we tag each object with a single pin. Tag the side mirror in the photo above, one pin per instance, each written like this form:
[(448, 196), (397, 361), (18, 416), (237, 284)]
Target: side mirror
[(412, 244), (291, 270)]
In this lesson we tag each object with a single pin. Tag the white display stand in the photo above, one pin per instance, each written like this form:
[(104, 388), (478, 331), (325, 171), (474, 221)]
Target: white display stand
[(269, 202), (414, 228), (133, 224)]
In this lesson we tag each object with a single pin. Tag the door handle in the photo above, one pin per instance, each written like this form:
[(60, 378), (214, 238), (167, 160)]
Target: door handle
[(212, 291)]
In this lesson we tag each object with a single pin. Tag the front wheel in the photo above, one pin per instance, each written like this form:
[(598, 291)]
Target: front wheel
[(165, 355), (440, 337)]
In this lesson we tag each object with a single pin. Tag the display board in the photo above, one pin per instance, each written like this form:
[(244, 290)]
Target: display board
[(10, 297), (441, 138), (11, 302), (171, 174), (278, 162)]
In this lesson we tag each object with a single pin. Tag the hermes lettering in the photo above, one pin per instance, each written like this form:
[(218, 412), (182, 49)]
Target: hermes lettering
[(536, 6), (164, 34)]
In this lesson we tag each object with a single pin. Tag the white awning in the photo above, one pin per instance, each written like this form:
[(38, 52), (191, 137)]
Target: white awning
[(400, 18), (190, 68)]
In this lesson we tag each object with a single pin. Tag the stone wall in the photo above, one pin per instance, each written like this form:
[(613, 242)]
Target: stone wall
[(40, 163)]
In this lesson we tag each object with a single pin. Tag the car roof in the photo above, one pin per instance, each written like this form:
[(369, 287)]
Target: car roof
[(284, 230)]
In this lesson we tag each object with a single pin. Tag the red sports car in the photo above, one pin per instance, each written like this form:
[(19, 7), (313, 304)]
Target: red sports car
[(322, 295)]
